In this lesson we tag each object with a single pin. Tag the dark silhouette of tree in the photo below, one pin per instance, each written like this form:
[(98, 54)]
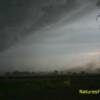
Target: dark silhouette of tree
[(55, 72), (98, 3)]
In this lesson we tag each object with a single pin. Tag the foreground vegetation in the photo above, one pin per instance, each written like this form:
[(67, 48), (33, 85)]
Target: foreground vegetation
[(48, 87)]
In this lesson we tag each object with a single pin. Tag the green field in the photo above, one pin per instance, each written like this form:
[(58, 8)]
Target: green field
[(48, 87)]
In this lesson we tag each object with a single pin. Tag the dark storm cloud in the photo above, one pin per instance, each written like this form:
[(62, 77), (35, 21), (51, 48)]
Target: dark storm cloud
[(18, 18), (46, 35)]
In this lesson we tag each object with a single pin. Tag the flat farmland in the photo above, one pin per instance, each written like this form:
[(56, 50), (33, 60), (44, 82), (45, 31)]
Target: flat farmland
[(48, 87)]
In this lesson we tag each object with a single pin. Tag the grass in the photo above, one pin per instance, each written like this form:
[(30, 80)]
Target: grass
[(55, 87)]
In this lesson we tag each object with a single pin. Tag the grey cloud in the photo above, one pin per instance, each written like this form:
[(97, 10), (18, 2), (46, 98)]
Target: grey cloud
[(20, 18), (48, 33)]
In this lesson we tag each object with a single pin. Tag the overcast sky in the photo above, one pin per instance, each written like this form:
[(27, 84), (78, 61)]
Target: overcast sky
[(61, 42)]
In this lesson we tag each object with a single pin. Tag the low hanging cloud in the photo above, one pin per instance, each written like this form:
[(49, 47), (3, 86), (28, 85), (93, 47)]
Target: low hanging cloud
[(44, 35)]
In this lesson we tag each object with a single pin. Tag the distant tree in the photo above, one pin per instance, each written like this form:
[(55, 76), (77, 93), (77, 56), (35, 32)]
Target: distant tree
[(97, 70), (55, 72), (98, 3), (16, 72), (82, 72), (7, 74)]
